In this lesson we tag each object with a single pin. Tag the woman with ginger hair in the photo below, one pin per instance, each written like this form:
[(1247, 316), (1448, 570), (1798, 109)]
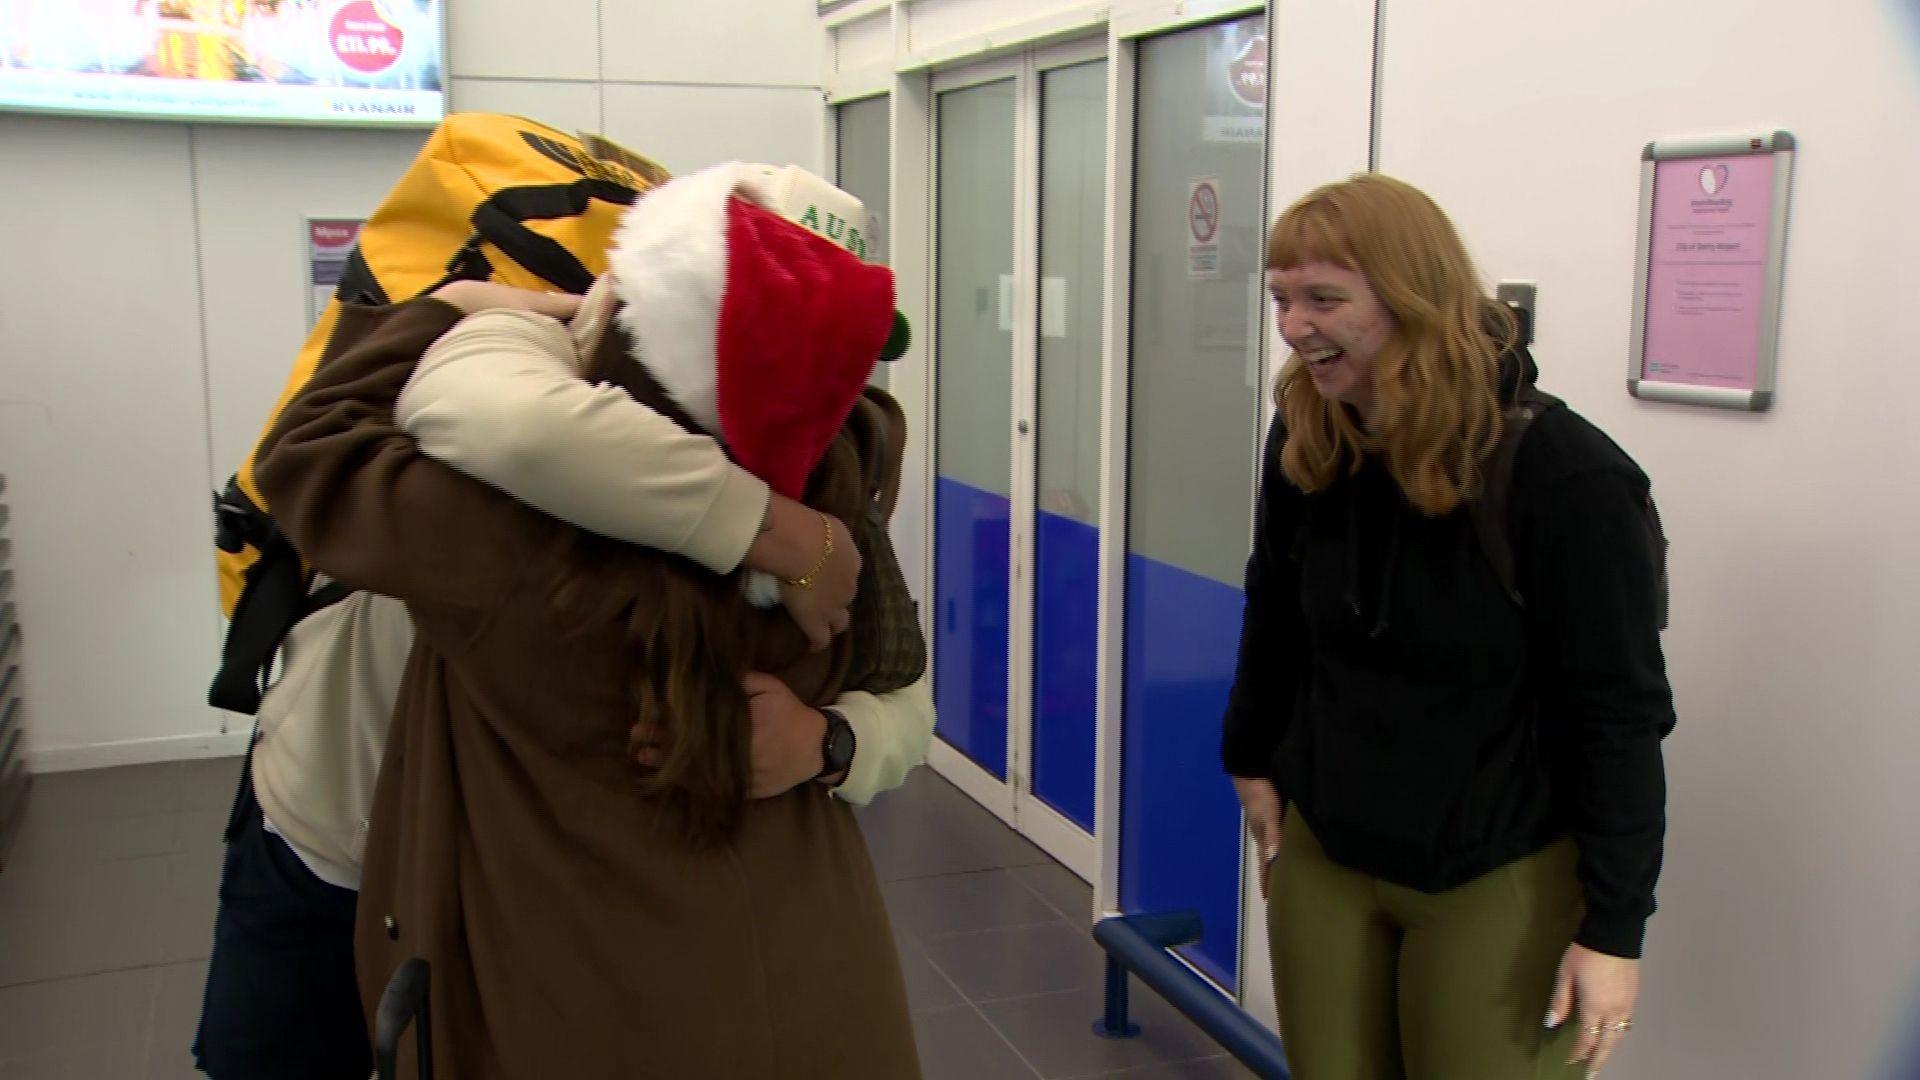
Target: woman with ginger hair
[(1458, 787)]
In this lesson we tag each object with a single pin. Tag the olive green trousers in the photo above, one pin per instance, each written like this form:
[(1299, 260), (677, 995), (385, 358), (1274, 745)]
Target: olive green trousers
[(1381, 982)]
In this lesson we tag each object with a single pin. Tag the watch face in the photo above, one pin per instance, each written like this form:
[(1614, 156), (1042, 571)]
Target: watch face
[(839, 747)]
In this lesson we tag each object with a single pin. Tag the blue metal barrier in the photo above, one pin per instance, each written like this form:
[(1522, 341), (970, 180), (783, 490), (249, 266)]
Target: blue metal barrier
[(1141, 944)]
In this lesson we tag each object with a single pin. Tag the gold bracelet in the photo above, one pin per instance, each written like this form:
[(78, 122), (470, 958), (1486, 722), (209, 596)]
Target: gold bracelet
[(805, 581)]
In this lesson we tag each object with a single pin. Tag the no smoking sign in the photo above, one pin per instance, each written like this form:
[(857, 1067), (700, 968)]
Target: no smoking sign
[(1203, 210), (1203, 228)]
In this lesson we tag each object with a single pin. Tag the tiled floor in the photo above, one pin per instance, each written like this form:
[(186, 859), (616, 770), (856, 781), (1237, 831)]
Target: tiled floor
[(106, 913)]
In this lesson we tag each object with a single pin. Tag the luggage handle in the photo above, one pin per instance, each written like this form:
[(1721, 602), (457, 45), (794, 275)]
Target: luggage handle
[(404, 1003)]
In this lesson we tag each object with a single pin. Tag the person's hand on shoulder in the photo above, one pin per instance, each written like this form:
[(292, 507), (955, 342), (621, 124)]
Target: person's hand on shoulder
[(813, 556)]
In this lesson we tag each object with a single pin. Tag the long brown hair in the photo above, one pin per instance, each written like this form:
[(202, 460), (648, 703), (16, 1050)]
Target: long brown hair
[(686, 676), (691, 635), (1437, 412)]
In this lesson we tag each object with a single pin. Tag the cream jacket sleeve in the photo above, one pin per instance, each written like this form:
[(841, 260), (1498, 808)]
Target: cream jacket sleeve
[(499, 398), (890, 736)]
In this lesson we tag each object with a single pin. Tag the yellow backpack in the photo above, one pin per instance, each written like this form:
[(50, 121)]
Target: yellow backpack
[(489, 197)]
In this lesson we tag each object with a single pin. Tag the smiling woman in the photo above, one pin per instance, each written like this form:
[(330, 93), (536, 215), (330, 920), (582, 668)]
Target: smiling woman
[(1414, 340), (1471, 785), (1336, 325)]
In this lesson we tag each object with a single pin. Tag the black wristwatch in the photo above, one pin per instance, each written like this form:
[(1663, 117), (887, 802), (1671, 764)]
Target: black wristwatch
[(836, 749)]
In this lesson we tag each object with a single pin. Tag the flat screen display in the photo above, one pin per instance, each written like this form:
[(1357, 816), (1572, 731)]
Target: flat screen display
[(361, 63)]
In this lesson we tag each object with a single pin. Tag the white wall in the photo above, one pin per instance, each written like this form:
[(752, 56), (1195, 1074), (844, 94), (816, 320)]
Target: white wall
[(1788, 940), (151, 300), (103, 430), (741, 79)]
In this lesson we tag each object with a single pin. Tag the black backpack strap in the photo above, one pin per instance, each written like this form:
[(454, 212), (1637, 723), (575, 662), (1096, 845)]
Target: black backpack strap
[(238, 523), (501, 221), (357, 283), (1491, 510), (274, 598), (269, 605), (325, 597)]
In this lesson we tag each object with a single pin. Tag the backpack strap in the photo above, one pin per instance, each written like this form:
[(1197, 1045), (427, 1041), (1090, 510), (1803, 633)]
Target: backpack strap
[(269, 603), (357, 283), (501, 220), (274, 599), (1491, 509)]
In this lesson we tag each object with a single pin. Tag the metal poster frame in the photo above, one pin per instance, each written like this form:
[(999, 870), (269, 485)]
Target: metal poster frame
[(1752, 391)]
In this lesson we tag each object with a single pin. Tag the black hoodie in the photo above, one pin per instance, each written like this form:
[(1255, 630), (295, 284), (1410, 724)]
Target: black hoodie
[(1429, 728)]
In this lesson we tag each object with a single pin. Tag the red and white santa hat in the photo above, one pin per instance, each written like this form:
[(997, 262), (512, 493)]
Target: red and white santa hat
[(764, 330)]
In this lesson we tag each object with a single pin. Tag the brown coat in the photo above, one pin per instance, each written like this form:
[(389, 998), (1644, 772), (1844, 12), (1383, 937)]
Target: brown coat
[(571, 930)]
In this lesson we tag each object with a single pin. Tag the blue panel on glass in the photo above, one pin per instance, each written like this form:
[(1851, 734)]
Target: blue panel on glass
[(970, 630), (1067, 613), (1180, 820)]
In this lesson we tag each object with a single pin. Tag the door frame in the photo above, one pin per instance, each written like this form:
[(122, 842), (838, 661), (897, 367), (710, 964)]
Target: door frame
[(1132, 24), (1013, 799)]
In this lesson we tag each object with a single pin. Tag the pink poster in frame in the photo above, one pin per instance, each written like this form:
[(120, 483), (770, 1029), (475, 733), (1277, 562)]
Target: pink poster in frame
[(1713, 222)]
